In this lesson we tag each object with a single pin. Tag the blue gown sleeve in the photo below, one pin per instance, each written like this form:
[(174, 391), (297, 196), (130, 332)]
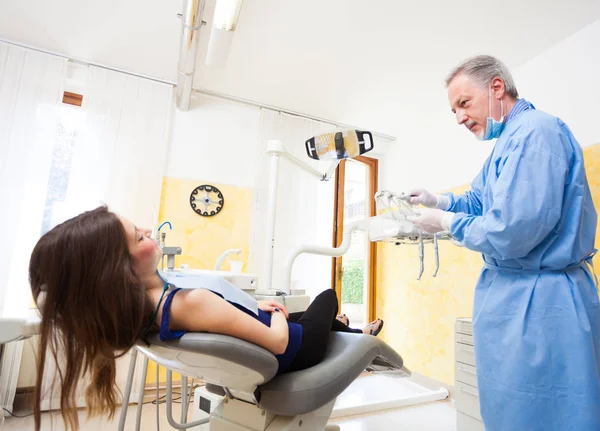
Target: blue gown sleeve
[(526, 200), (470, 201)]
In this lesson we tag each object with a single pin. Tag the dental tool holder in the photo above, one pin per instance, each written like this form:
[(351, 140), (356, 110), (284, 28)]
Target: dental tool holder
[(392, 226), (420, 240), (170, 252)]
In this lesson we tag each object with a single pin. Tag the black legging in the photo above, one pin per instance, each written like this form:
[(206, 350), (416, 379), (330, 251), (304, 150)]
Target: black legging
[(317, 321)]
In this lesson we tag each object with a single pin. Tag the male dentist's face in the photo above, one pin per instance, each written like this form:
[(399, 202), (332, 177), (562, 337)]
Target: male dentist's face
[(470, 103)]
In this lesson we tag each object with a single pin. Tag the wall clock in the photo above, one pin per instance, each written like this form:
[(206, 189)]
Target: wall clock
[(207, 200)]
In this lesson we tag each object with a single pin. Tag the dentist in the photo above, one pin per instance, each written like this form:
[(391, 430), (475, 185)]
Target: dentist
[(529, 212)]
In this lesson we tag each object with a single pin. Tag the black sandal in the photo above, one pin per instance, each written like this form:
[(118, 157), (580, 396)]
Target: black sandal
[(378, 330), (347, 319)]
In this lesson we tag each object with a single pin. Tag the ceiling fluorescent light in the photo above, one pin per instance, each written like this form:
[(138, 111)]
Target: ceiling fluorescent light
[(227, 13), (224, 23)]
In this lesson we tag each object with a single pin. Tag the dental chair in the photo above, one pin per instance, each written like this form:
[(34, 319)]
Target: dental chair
[(244, 374)]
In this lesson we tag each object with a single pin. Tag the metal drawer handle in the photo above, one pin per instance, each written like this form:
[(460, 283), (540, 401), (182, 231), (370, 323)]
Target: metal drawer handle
[(466, 370), (465, 390)]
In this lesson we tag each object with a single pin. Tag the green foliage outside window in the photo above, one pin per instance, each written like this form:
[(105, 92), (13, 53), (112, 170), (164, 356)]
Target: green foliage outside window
[(353, 280)]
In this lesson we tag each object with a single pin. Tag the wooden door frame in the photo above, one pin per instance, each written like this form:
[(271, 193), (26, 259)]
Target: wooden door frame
[(338, 233)]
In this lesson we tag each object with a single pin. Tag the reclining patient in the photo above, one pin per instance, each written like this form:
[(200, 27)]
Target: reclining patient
[(102, 293)]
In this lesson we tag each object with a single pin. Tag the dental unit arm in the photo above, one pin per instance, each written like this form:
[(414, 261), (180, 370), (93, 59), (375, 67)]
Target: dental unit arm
[(275, 151), (334, 147), (384, 228), (323, 251), (224, 255)]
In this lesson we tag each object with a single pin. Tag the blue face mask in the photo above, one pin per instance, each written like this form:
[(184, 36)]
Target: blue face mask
[(493, 127)]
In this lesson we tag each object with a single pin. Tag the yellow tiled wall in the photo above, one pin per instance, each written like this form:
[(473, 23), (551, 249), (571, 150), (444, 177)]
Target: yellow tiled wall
[(203, 239), (419, 315)]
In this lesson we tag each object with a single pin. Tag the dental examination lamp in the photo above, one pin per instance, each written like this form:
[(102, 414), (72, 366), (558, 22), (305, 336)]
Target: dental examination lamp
[(334, 146)]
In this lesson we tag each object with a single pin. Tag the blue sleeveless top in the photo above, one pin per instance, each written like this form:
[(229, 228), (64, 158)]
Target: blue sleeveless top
[(285, 359)]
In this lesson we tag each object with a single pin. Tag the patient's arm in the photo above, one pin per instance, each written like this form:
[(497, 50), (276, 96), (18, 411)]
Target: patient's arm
[(269, 307), (199, 310)]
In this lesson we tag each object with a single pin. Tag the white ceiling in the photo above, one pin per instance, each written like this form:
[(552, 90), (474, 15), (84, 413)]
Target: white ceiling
[(378, 64)]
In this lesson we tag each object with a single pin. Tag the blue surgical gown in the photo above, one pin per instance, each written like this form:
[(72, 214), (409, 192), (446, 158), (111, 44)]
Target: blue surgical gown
[(536, 318)]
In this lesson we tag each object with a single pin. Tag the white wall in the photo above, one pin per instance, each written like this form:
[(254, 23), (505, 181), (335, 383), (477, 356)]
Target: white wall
[(563, 81), (433, 152), (141, 36), (437, 154), (216, 140)]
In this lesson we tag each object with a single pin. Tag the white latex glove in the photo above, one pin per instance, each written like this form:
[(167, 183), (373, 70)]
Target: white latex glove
[(432, 220), (423, 197)]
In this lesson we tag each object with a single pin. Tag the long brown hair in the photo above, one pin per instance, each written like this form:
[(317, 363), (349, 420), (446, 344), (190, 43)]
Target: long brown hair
[(93, 308)]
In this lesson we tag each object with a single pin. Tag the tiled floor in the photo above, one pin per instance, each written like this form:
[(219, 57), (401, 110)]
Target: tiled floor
[(434, 416), (431, 416)]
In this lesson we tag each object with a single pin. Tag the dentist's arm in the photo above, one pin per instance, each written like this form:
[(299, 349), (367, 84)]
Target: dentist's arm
[(527, 204)]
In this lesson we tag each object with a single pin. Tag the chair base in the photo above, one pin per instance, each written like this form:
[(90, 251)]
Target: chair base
[(235, 415)]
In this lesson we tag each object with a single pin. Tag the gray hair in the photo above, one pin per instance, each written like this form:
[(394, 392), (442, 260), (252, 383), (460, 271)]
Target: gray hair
[(482, 69)]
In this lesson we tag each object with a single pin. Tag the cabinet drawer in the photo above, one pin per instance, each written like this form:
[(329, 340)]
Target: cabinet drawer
[(465, 354), (465, 373), (467, 423), (467, 400), (464, 326), (464, 338)]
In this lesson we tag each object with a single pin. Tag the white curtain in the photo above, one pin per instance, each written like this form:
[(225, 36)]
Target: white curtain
[(121, 146), (29, 82), (304, 211), (58, 160), (118, 147)]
